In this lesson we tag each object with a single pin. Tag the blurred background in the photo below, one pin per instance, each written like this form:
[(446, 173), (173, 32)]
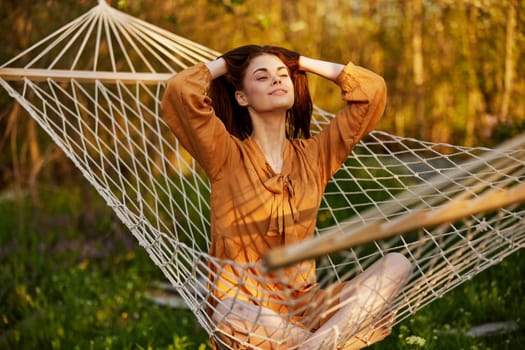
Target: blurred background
[(72, 277)]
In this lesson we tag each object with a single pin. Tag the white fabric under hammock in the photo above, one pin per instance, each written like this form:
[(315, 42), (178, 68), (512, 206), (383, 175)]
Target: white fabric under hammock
[(94, 86)]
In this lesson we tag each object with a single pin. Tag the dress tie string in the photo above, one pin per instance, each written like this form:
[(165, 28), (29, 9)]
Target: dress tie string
[(284, 211)]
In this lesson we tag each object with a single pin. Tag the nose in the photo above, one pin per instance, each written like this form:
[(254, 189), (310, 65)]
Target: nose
[(276, 80)]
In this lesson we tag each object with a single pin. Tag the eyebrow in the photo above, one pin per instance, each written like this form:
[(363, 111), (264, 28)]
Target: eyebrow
[(264, 69)]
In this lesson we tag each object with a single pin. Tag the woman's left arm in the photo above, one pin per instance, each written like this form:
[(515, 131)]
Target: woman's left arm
[(365, 95), (325, 69)]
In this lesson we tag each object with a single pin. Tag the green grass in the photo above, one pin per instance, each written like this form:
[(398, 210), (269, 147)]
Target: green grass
[(495, 295), (70, 282), (71, 277)]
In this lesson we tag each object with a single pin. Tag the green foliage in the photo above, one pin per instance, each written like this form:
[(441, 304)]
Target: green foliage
[(473, 94), (78, 289), (495, 295)]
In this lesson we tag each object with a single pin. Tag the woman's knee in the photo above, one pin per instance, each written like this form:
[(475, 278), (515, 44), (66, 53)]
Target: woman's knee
[(397, 265)]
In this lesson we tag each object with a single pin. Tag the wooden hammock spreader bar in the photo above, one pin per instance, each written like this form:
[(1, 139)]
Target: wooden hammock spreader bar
[(64, 75), (334, 240)]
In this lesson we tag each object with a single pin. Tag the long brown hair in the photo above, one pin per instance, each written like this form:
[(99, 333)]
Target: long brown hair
[(235, 117)]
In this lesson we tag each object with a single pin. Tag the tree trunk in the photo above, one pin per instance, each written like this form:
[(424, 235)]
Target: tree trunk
[(472, 84), (417, 61), (509, 62)]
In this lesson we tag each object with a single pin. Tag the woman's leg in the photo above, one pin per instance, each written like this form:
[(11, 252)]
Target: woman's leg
[(242, 325), (363, 301), (370, 334)]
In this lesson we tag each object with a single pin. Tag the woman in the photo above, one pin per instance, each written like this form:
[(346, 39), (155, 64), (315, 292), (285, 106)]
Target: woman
[(245, 117)]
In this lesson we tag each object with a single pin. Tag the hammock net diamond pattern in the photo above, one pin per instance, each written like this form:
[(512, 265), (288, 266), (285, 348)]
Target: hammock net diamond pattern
[(95, 87)]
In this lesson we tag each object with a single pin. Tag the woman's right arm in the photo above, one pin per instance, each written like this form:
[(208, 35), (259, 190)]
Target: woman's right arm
[(187, 109)]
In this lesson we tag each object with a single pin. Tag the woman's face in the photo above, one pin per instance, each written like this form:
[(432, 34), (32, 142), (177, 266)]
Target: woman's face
[(267, 86)]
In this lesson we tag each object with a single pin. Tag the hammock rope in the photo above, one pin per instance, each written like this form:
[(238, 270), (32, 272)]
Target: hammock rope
[(95, 86)]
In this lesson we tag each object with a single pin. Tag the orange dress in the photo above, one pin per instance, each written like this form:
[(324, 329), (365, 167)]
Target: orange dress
[(254, 209)]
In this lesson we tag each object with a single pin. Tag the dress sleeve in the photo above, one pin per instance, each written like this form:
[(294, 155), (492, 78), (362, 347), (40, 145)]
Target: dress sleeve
[(365, 95), (187, 109)]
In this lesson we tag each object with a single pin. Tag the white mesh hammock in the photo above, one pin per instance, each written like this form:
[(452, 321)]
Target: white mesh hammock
[(95, 85)]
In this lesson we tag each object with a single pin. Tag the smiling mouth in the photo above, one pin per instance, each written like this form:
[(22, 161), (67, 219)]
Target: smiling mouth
[(279, 92)]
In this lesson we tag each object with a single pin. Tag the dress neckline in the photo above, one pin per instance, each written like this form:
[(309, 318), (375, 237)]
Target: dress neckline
[(260, 154)]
